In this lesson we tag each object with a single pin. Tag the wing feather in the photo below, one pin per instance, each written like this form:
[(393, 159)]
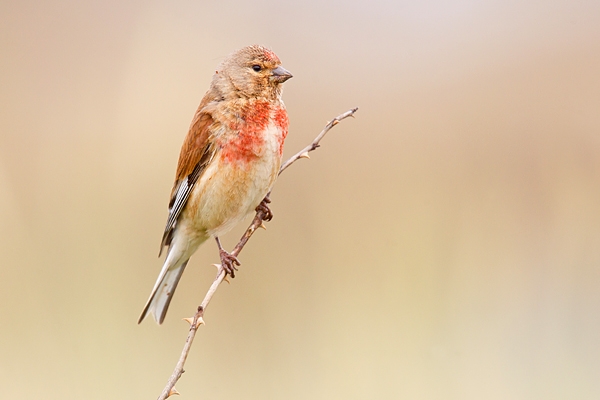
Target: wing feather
[(196, 152)]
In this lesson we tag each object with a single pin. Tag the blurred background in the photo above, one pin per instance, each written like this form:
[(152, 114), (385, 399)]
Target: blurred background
[(444, 244)]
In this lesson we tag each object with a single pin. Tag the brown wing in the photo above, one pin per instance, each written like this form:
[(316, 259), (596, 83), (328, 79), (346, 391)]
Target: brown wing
[(196, 152)]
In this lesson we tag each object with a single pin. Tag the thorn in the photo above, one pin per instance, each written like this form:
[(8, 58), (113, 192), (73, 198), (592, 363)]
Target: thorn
[(219, 267), (262, 225), (335, 122), (304, 155), (172, 392), (198, 323)]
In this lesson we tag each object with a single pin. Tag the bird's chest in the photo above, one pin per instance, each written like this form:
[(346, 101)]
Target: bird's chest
[(251, 160), (258, 134), (247, 164)]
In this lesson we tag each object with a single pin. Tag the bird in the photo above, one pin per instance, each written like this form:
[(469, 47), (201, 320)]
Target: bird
[(228, 163)]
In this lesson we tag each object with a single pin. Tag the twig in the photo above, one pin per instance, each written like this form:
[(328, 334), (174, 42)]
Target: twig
[(257, 222), (315, 144)]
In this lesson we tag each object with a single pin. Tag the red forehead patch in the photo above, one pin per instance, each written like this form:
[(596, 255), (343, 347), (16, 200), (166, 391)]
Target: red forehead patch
[(270, 56)]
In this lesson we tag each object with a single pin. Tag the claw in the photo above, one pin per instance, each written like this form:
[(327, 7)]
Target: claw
[(264, 208), (229, 262)]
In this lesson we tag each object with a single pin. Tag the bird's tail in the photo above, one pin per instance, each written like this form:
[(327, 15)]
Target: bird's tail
[(161, 296)]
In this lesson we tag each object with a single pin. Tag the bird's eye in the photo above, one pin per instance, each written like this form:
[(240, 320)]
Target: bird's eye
[(256, 68)]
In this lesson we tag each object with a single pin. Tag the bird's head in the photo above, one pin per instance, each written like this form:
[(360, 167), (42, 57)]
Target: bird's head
[(253, 71)]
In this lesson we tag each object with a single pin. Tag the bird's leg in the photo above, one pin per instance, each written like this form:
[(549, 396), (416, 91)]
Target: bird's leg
[(264, 207), (228, 261)]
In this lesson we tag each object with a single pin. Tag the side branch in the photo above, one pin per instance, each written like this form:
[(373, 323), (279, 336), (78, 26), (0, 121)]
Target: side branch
[(256, 223), (315, 143)]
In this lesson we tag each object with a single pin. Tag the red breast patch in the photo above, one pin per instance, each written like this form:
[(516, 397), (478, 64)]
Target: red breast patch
[(282, 122), (246, 145)]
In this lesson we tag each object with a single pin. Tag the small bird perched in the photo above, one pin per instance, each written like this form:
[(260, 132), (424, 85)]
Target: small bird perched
[(228, 163)]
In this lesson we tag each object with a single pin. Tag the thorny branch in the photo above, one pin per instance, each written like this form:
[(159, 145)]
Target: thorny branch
[(257, 222)]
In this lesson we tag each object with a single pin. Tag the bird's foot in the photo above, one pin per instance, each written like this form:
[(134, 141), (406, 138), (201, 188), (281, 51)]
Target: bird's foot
[(264, 208), (229, 262)]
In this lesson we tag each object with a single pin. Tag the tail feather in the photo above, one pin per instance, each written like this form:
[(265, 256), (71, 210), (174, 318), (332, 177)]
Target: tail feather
[(161, 296), (181, 248)]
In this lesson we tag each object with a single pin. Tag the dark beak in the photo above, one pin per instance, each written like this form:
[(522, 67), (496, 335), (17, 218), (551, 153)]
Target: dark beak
[(281, 74)]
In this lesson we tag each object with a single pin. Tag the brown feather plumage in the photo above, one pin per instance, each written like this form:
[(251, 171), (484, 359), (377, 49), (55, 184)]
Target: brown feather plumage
[(194, 144)]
